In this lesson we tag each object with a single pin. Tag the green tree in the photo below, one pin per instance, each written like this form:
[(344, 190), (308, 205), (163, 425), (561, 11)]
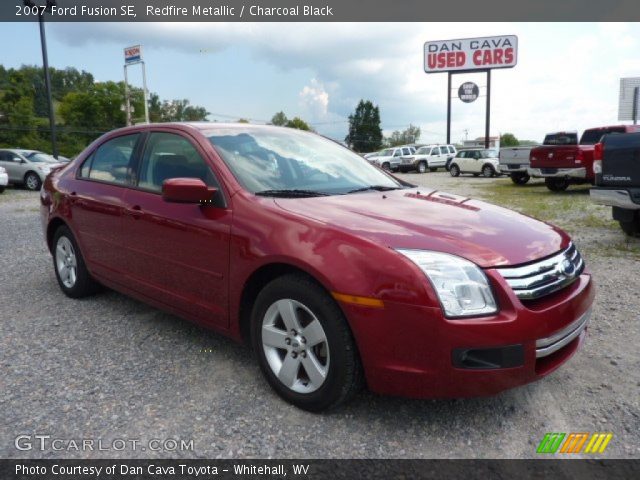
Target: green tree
[(242, 120), (410, 135), (297, 122), (508, 140), (365, 134), (279, 119)]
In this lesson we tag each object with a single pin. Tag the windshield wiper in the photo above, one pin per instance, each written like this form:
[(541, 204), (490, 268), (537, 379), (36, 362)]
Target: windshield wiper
[(291, 193), (377, 188)]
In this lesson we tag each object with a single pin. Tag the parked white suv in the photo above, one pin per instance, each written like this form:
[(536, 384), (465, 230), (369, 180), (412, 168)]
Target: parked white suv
[(429, 157), (391, 158), (4, 179), (478, 161)]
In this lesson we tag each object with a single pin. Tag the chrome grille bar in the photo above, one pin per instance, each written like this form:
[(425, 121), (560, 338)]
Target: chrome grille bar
[(546, 276)]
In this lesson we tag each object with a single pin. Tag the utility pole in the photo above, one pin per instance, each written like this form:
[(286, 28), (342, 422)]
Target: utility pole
[(45, 64)]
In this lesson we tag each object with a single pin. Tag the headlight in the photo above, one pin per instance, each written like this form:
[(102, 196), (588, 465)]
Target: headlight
[(463, 289)]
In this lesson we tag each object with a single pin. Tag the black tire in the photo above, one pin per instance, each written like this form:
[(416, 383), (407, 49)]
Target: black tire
[(488, 171), (84, 284), (631, 228), (2, 189), (433, 169), (520, 178), (454, 170), (32, 181), (422, 167), (344, 377), (386, 166), (556, 184)]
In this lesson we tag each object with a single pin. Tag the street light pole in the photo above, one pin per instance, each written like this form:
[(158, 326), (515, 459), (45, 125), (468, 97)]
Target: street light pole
[(47, 77)]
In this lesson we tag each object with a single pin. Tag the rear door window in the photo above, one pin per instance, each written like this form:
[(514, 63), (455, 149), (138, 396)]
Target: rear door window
[(111, 162), (591, 137)]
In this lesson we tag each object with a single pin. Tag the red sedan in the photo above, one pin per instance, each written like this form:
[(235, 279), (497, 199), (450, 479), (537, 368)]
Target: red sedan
[(337, 273)]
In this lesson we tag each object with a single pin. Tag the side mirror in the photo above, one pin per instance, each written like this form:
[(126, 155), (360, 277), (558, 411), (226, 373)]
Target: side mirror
[(186, 190)]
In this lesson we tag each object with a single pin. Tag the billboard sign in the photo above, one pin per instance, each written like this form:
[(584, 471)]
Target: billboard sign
[(470, 54), (629, 98), (133, 54)]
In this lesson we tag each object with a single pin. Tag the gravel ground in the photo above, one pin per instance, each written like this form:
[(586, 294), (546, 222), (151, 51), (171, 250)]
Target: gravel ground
[(110, 367)]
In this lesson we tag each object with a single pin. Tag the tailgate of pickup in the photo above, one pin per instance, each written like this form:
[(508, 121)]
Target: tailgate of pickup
[(621, 161), (556, 156)]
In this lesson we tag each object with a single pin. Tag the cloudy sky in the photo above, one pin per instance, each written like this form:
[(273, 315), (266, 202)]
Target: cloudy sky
[(567, 75)]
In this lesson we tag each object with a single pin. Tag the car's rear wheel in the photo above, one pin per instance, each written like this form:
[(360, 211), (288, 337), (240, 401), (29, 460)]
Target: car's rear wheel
[(71, 272), (422, 167), (2, 189), (454, 170), (488, 171), (631, 228), (520, 178), (386, 166), (556, 184), (32, 181), (303, 343)]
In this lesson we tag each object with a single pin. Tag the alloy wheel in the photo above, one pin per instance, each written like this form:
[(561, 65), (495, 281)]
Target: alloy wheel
[(66, 262), (295, 346)]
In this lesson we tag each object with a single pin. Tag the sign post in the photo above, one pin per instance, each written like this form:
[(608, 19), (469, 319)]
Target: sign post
[(469, 55), (133, 56)]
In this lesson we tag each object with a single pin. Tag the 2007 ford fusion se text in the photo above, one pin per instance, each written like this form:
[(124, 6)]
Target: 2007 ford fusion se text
[(338, 274)]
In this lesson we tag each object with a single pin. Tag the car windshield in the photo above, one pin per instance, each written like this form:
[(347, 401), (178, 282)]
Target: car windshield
[(39, 157), (488, 154), (423, 150), (387, 153), (286, 160)]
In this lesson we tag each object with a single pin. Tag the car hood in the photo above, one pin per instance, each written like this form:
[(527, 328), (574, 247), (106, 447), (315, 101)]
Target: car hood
[(426, 219)]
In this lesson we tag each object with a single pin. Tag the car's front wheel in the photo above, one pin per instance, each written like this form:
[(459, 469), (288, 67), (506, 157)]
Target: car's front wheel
[(454, 170), (422, 167), (71, 272), (304, 345), (386, 166)]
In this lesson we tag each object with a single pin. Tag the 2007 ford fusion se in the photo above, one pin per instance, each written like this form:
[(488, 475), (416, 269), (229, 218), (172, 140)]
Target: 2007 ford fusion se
[(338, 274)]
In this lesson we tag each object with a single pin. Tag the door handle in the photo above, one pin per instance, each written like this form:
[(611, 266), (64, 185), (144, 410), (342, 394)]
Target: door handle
[(135, 212)]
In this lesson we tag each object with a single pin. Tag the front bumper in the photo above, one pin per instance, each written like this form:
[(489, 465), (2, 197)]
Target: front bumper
[(614, 198), (413, 351), (580, 172)]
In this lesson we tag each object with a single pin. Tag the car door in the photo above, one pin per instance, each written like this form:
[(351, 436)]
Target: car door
[(443, 155), (475, 162), (12, 163), (460, 160), (434, 157), (177, 253), (96, 203)]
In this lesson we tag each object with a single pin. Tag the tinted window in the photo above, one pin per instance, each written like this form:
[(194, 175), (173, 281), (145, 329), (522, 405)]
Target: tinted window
[(591, 137), (406, 151), (168, 155), (6, 156), (561, 139), (444, 151), (462, 155), (111, 161), (451, 149)]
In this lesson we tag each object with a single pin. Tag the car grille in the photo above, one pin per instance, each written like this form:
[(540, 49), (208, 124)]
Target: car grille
[(546, 276)]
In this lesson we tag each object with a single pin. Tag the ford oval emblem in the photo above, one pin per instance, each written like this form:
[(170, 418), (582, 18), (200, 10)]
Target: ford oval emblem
[(567, 267)]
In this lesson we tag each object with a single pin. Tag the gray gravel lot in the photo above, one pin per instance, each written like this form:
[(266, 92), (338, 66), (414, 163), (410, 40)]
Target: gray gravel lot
[(110, 367)]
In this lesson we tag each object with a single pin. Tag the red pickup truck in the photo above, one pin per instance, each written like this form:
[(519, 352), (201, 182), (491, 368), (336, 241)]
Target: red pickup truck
[(563, 165)]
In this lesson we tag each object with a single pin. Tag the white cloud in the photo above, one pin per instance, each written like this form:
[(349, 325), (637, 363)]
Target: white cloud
[(315, 100), (566, 77)]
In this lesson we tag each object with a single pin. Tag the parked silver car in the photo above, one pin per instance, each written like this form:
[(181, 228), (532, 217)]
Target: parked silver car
[(27, 167)]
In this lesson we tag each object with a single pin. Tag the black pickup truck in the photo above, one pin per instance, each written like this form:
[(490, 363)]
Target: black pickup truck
[(617, 178)]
